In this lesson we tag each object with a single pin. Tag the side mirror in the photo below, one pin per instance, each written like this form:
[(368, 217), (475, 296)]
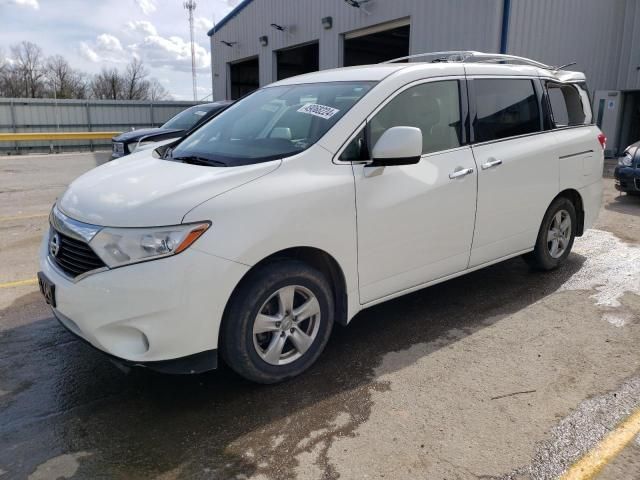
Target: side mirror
[(398, 146)]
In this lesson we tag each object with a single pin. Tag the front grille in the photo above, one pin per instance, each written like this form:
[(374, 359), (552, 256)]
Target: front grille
[(75, 257)]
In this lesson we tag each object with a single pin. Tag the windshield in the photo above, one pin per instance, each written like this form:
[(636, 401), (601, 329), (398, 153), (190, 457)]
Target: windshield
[(271, 123), (187, 118)]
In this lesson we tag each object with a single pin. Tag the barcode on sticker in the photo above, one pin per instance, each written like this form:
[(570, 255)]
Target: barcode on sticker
[(321, 111)]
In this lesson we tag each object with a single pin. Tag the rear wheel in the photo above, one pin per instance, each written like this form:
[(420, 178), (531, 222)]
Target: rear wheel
[(556, 236), (278, 322)]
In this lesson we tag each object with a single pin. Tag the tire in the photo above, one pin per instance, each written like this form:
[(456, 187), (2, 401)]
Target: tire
[(252, 352), (549, 254)]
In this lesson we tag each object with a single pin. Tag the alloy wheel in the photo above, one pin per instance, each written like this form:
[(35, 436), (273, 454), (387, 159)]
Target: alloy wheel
[(559, 234), (286, 325)]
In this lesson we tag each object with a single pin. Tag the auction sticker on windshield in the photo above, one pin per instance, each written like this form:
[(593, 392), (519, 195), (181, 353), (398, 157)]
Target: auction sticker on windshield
[(321, 111)]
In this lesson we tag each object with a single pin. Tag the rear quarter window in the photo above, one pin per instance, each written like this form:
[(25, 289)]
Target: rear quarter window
[(569, 103)]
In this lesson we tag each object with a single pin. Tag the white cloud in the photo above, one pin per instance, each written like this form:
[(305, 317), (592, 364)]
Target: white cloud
[(174, 52), (108, 43), (106, 48), (26, 3), (156, 51), (87, 52), (143, 26), (4, 59), (147, 6), (203, 23)]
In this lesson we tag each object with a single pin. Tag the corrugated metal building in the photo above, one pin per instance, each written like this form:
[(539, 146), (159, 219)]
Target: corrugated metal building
[(261, 41)]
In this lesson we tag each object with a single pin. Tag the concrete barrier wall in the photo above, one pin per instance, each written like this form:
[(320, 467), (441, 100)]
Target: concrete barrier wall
[(19, 115)]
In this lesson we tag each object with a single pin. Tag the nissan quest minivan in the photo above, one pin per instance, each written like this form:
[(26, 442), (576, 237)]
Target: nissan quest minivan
[(316, 197)]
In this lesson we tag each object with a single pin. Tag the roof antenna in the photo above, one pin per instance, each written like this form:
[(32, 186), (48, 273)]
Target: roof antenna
[(562, 67)]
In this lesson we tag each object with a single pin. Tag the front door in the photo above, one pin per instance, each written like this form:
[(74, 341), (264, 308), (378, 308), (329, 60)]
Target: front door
[(415, 222)]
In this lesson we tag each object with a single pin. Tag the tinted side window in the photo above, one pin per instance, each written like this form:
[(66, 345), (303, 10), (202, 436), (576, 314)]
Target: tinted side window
[(568, 105), (505, 108), (432, 107)]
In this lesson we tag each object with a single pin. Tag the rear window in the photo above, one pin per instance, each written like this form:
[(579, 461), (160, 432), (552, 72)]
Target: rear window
[(569, 104), (505, 108)]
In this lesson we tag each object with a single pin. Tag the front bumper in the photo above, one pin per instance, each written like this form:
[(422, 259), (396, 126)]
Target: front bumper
[(191, 364), (156, 311), (627, 179)]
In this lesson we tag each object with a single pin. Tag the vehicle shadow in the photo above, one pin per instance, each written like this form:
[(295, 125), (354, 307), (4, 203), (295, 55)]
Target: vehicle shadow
[(626, 204), (61, 397)]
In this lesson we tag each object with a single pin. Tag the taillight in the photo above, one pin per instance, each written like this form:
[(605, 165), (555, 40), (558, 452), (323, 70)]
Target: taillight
[(603, 140)]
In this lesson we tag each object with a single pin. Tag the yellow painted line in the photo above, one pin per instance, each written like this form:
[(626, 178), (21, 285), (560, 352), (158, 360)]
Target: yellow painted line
[(16, 137), (23, 217), (19, 283), (593, 462)]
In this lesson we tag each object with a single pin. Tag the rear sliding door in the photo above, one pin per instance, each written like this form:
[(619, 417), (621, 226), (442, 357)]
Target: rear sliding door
[(517, 165)]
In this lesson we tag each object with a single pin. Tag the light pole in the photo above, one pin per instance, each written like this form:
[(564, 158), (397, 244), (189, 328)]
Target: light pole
[(190, 6)]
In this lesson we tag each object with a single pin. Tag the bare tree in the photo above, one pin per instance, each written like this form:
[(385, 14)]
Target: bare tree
[(107, 85), (4, 62), (10, 84), (136, 86), (26, 73), (157, 92), (28, 64), (67, 82)]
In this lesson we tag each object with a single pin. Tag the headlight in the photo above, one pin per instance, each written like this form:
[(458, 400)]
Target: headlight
[(625, 160), (123, 246)]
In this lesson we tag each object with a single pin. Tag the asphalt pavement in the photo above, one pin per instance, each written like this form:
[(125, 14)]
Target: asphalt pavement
[(504, 373)]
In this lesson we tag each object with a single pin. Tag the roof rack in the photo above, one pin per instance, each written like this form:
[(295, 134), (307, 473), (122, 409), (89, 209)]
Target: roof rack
[(467, 56)]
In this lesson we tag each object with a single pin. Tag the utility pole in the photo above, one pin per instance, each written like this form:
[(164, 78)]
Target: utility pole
[(190, 6)]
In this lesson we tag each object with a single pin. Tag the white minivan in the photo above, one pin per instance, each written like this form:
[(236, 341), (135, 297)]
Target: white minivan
[(316, 197)]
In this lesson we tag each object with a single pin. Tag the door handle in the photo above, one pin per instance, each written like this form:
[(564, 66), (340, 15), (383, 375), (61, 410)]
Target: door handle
[(460, 173), (491, 164)]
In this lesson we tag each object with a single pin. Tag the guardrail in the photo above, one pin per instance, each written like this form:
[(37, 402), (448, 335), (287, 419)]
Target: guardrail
[(20, 137)]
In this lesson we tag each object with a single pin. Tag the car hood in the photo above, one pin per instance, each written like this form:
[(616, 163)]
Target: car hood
[(141, 191), (135, 135)]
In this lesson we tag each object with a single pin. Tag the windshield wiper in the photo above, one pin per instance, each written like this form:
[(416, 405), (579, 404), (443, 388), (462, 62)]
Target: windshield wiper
[(196, 160)]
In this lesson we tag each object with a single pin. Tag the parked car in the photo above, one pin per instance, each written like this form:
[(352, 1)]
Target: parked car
[(627, 172), (316, 197), (176, 127)]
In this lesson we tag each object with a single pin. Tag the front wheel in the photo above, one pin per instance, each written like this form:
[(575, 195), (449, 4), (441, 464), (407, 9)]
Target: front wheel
[(277, 322), (556, 236)]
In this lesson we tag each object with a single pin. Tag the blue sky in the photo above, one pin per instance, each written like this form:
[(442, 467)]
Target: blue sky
[(96, 33)]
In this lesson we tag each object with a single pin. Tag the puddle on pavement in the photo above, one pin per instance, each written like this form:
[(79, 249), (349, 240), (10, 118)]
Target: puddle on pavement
[(611, 267), (62, 466)]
